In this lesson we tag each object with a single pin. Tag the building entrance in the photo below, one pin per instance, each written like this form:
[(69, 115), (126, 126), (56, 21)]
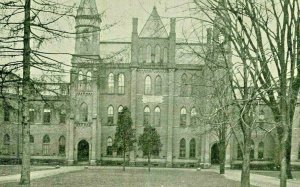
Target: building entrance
[(215, 158), (83, 151)]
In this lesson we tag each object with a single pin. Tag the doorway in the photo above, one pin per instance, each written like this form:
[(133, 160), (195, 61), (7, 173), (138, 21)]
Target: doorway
[(83, 151), (215, 158)]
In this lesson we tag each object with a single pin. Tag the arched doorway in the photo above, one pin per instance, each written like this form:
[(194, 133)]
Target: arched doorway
[(215, 159), (83, 151)]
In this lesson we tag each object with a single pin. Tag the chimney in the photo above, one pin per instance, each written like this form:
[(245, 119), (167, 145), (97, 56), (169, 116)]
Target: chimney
[(209, 35), (172, 25), (135, 25)]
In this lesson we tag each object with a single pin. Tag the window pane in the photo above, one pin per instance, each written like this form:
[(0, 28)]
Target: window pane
[(147, 116), (110, 115), (158, 86), (182, 148), (121, 84), (157, 54), (149, 54), (111, 83), (147, 85)]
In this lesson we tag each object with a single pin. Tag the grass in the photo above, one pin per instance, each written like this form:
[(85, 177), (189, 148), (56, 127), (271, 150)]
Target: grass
[(16, 169), (133, 177), (296, 174)]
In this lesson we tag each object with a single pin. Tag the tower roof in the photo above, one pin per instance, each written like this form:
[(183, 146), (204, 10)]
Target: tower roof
[(87, 7), (154, 27)]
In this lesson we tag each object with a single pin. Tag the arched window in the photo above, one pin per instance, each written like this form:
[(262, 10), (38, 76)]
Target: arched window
[(109, 146), (111, 83), (147, 85), (46, 142), (184, 85), (183, 117), (192, 148), (89, 76), (89, 80), (261, 150), (157, 116), (157, 54), (146, 115), (149, 54), (252, 150), (165, 55), (120, 109), (182, 148), (62, 114), (31, 115), (62, 145), (31, 139), (193, 117), (121, 85), (158, 85), (6, 144), (110, 115), (80, 76), (84, 112), (47, 114), (6, 112), (141, 55)]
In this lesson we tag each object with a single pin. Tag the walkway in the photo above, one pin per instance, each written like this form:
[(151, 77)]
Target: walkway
[(41, 174), (255, 179)]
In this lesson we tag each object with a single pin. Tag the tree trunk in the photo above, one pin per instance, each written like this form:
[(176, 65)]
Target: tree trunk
[(245, 177), (222, 155), (25, 171), (288, 154), (149, 161), (124, 159), (283, 164)]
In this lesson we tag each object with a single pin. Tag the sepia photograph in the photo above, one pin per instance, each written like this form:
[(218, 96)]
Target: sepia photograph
[(149, 93)]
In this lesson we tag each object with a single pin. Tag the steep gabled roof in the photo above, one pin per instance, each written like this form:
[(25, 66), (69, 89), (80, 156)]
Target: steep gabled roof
[(87, 7), (154, 27)]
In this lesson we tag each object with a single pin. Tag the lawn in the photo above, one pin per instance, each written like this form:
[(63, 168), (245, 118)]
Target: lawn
[(296, 174), (16, 169), (134, 177)]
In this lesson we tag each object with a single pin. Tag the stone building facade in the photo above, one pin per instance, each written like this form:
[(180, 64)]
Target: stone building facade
[(151, 76)]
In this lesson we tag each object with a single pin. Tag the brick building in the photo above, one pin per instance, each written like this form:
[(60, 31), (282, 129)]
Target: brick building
[(151, 75)]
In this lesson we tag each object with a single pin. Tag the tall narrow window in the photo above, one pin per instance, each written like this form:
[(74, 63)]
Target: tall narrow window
[(261, 150), (62, 115), (109, 146), (80, 76), (147, 85), (158, 86), (47, 114), (182, 148), (149, 54), (62, 145), (84, 112), (252, 150), (157, 116), (146, 116), (89, 81), (121, 85), (6, 111), (192, 148), (110, 115), (165, 55), (157, 54), (184, 85), (183, 117), (111, 83), (141, 55), (6, 144), (31, 139), (46, 142), (193, 117), (31, 115), (120, 109)]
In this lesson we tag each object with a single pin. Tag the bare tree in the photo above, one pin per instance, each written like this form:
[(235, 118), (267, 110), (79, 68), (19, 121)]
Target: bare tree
[(266, 34)]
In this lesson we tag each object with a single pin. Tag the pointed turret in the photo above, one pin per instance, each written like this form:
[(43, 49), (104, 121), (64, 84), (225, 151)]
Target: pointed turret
[(87, 28), (154, 27)]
